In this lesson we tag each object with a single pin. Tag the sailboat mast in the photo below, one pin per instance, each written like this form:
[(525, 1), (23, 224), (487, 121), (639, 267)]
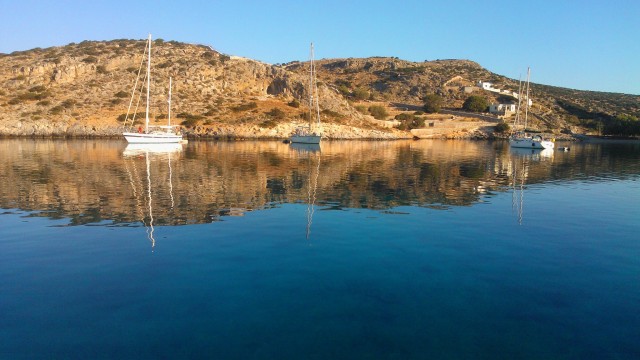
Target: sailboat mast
[(526, 105), (169, 101), (146, 125), (517, 119), (310, 85), (315, 88)]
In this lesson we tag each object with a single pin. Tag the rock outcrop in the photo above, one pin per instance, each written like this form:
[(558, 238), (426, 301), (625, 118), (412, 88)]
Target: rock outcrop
[(85, 89)]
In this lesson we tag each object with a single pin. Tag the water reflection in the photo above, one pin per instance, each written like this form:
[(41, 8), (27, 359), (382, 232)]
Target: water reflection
[(93, 181), (133, 154), (522, 160), (312, 154)]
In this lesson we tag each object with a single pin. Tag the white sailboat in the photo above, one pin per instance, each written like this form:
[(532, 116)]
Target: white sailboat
[(163, 134), (310, 134), (521, 139)]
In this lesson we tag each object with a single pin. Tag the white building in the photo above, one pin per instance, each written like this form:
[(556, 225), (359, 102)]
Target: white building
[(486, 86), (503, 109)]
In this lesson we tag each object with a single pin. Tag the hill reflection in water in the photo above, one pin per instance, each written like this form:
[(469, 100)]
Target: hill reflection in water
[(93, 181)]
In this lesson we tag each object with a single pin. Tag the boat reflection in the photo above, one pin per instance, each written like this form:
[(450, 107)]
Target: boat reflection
[(154, 149), (99, 181), (311, 153), (149, 152), (521, 162), (533, 154), (302, 148)]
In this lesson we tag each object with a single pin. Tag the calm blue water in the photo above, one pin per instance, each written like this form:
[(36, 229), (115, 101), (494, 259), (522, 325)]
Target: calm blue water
[(399, 250)]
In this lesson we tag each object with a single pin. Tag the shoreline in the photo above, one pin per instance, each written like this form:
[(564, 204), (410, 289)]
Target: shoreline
[(339, 134)]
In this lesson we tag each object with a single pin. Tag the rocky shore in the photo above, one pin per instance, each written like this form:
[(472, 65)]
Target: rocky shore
[(77, 129), (214, 131)]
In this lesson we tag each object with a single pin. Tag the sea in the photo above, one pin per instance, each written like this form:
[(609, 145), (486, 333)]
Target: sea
[(427, 249)]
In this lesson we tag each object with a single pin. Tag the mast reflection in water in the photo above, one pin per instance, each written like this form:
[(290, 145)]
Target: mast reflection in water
[(312, 154), (86, 181), (160, 153), (522, 159)]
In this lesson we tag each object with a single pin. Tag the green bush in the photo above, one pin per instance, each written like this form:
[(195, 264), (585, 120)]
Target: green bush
[(38, 89), (188, 116), (69, 103), (622, 125), (432, 103), (501, 128), (244, 107), (409, 121), (417, 123), (276, 113), (30, 96), (56, 110), (189, 123), (378, 112), (361, 93), (269, 124), (294, 103), (402, 126), (362, 109), (331, 113), (404, 116), (344, 90), (476, 104), (90, 60), (121, 94)]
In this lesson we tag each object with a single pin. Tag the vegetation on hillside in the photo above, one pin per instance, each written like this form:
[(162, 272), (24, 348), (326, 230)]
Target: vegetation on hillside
[(92, 79), (475, 104), (432, 103)]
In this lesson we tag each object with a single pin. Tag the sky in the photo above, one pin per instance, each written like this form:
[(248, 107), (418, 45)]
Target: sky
[(581, 44)]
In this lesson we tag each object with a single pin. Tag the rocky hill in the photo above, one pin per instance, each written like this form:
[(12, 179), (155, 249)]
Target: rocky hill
[(85, 89)]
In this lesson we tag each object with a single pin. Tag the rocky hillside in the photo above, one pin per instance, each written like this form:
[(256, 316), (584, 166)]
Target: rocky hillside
[(85, 89)]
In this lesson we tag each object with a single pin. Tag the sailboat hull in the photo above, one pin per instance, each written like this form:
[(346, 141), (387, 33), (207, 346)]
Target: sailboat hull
[(161, 138), (531, 144), (306, 139)]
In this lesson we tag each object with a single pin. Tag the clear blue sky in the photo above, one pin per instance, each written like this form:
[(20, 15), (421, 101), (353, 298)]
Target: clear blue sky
[(581, 44)]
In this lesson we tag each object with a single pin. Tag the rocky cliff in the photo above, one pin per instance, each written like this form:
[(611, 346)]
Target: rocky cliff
[(85, 89)]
